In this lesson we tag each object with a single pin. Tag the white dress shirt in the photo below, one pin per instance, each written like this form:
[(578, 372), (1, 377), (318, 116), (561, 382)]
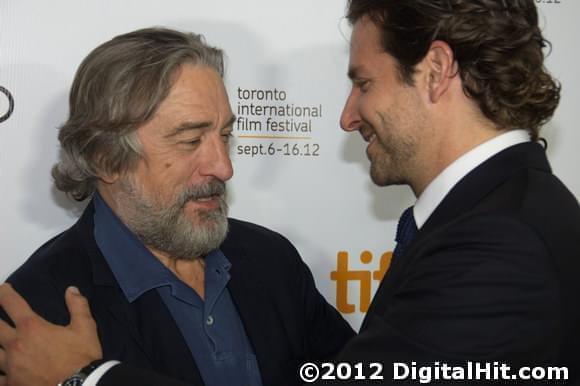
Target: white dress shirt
[(452, 174)]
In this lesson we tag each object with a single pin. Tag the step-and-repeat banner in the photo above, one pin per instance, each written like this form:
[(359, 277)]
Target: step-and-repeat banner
[(295, 170)]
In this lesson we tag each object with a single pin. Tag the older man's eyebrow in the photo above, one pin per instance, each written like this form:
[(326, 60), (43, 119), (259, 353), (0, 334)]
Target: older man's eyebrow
[(231, 122), (189, 125)]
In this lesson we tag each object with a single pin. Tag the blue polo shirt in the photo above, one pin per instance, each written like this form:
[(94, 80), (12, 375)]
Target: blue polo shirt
[(212, 327)]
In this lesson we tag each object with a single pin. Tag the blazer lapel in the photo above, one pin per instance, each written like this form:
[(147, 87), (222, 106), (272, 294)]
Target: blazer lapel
[(469, 191), (483, 179), (249, 296)]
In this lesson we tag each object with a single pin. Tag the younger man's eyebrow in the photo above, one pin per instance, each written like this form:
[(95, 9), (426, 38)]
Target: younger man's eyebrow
[(352, 72)]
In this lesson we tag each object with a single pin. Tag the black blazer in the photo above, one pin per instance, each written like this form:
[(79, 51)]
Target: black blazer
[(285, 317), (493, 275)]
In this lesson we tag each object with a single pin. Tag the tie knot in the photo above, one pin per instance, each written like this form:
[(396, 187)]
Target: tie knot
[(406, 229)]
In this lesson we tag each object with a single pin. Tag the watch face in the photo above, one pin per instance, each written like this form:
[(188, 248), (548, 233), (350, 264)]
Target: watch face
[(75, 380)]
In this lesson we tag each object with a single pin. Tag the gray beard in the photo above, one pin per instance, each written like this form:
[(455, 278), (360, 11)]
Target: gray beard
[(168, 229)]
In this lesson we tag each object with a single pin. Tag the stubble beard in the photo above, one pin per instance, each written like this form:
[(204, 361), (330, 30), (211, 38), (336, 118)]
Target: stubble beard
[(391, 163), (168, 228)]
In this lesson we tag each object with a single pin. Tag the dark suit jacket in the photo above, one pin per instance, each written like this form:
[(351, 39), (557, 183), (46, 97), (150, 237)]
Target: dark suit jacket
[(285, 317), (493, 275)]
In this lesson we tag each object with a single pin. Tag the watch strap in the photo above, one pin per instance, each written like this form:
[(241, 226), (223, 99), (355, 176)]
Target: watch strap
[(88, 369), (79, 376)]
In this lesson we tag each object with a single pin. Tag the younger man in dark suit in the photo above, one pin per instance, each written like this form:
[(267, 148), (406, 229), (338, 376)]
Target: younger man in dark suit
[(450, 96)]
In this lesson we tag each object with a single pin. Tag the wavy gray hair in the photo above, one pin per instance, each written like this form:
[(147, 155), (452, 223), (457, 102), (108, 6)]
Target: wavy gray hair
[(117, 88)]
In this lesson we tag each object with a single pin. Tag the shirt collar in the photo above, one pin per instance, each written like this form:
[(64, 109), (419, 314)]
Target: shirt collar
[(123, 251), (452, 174)]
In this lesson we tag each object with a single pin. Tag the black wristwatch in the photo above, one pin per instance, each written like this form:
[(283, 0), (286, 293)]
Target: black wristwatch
[(79, 377)]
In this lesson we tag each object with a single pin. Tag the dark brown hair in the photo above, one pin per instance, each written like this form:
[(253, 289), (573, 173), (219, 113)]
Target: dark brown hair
[(497, 45)]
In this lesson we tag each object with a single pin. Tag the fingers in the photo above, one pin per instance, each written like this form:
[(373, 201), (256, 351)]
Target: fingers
[(78, 307), (7, 333), (2, 361), (82, 322), (14, 304)]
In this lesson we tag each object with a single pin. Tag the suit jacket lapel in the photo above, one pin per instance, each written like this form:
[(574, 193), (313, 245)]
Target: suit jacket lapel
[(483, 179), (249, 296), (469, 191)]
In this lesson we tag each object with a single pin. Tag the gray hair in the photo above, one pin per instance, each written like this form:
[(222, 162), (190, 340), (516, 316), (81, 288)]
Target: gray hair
[(117, 88)]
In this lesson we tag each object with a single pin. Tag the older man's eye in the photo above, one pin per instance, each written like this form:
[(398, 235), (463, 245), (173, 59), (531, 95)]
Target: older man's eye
[(191, 142), (226, 137)]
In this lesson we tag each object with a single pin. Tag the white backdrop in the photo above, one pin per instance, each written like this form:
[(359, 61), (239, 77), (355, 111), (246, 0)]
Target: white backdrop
[(312, 185)]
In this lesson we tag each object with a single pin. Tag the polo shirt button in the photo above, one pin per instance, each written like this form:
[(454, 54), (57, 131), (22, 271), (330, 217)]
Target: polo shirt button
[(209, 320)]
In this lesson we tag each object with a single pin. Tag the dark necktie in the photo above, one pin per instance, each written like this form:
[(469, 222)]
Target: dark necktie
[(406, 230)]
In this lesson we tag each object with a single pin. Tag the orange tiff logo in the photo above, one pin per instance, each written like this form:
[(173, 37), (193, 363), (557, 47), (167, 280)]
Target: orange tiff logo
[(343, 275)]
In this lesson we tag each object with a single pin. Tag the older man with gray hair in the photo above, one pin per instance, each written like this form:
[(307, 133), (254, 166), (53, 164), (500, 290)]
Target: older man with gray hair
[(174, 286)]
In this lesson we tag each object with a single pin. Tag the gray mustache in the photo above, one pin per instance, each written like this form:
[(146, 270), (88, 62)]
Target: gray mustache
[(212, 188)]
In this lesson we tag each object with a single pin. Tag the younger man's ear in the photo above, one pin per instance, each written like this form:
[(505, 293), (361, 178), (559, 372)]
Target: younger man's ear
[(441, 69)]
